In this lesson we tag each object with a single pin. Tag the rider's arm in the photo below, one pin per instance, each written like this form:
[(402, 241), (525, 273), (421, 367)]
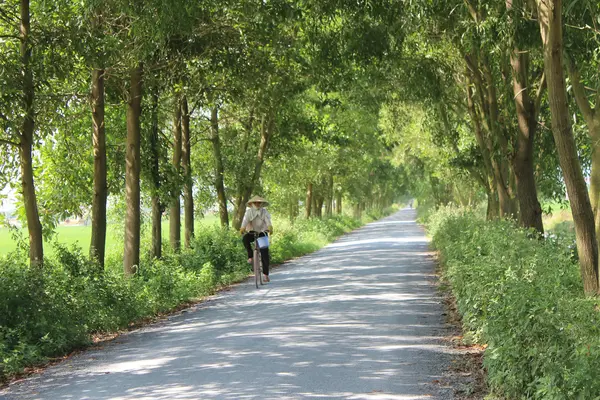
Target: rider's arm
[(269, 223), (244, 223)]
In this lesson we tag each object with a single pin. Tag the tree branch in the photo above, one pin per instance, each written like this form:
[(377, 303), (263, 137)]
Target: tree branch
[(472, 11), (579, 91), (15, 37), (537, 102), (8, 142)]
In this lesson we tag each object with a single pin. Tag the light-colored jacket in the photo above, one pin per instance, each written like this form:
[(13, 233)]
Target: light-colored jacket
[(258, 220)]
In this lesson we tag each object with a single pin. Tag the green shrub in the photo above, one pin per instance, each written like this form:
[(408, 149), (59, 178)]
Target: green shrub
[(523, 297)]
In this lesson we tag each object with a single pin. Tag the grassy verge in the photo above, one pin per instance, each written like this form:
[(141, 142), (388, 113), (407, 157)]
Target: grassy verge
[(523, 298), (48, 312)]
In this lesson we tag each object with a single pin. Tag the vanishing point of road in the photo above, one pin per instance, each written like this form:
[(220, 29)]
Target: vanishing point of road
[(358, 319)]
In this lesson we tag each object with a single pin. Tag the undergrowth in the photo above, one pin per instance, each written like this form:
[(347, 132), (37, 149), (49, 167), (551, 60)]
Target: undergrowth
[(523, 297)]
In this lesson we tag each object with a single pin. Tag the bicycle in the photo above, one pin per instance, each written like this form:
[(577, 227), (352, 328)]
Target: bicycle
[(257, 258)]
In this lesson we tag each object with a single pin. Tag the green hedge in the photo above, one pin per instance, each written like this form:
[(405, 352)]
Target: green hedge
[(48, 312), (523, 297)]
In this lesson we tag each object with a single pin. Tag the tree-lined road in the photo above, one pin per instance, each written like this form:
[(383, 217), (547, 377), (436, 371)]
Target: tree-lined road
[(359, 319)]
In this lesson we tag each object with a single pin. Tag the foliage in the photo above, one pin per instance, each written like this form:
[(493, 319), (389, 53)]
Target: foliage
[(522, 297)]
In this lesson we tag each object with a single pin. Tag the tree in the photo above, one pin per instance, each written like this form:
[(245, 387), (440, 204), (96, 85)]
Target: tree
[(551, 29), (186, 164), (131, 256), (175, 209)]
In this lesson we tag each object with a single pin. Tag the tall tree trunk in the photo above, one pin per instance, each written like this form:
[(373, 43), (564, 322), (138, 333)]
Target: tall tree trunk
[(98, 242), (188, 195), (266, 131), (157, 207), (550, 19), (219, 169), (131, 256), (242, 181), (338, 203), (175, 208), (309, 200), (592, 120), (36, 245), (529, 205)]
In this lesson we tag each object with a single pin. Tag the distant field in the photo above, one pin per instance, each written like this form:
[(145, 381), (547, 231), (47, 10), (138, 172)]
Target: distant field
[(82, 234), (559, 219)]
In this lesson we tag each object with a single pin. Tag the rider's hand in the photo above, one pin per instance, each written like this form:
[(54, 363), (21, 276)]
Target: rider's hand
[(242, 230), (270, 230)]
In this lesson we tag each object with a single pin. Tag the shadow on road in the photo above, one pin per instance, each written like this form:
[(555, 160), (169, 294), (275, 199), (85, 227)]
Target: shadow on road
[(359, 319)]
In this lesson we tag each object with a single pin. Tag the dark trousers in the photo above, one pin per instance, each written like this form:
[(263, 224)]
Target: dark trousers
[(264, 253)]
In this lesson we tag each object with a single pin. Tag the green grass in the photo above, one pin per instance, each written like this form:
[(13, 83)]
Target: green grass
[(81, 235)]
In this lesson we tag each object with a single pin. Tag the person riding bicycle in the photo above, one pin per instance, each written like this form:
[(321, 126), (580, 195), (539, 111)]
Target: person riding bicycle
[(257, 220)]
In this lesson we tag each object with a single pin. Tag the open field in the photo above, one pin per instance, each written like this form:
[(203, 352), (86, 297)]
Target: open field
[(559, 220), (81, 236)]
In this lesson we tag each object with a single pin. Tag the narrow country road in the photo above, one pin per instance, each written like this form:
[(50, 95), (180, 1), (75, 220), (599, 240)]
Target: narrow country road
[(359, 319)]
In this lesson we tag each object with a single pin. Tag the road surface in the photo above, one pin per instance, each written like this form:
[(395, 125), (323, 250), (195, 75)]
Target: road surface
[(359, 319)]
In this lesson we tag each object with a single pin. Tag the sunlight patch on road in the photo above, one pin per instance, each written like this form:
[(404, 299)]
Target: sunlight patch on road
[(138, 366), (392, 223), (402, 240)]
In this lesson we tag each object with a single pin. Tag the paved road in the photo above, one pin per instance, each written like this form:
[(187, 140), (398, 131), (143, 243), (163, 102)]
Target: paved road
[(359, 319)]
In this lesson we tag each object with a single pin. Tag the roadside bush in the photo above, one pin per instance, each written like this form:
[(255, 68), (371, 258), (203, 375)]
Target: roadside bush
[(523, 297)]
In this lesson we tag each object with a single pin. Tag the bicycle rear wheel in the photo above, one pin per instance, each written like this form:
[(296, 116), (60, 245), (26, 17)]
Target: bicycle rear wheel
[(256, 265), (260, 268)]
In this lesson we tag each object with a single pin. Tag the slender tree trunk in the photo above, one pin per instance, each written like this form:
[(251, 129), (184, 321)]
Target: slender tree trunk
[(357, 211), (493, 205), (529, 205), (329, 199), (266, 131), (175, 208), (219, 169), (131, 256), (595, 188), (550, 19), (157, 207), (319, 200), (504, 199), (486, 92), (98, 242), (188, 195), (309, 200), (36, 245)]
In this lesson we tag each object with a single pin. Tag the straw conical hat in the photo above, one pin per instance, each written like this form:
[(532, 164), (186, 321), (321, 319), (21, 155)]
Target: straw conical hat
[(258, 199)]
